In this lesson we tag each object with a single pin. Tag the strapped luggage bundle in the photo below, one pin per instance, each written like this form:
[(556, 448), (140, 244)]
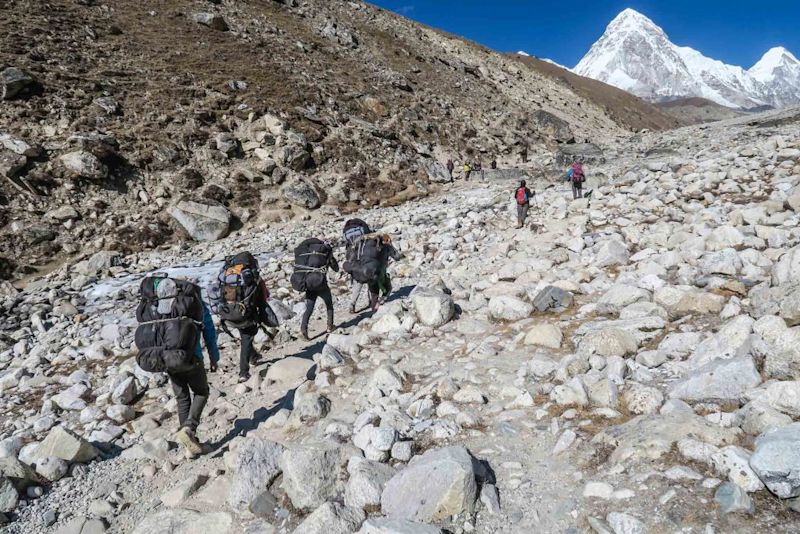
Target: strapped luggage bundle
[(310, 265), (239, 283), (364, 258), (170, 315)]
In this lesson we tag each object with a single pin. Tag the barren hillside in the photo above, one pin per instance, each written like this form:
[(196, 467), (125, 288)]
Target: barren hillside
[(256, 110)]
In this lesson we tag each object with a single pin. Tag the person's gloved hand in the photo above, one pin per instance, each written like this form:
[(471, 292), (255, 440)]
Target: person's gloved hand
[(213, 367)]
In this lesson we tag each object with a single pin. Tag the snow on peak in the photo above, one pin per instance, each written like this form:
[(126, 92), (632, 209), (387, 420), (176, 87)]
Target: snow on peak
[(523, 53), (636, 55)]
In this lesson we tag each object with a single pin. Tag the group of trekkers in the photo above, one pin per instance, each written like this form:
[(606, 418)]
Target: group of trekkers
[(522, 195), (173, 317), (469, 168)]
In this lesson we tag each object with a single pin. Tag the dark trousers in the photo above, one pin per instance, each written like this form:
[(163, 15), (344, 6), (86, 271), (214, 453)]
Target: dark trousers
[(577, 190), (247, 351), (522, 213), (311, 300), (191, 392)]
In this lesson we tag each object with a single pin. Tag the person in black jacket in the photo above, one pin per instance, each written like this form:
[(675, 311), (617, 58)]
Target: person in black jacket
[(324, 293)]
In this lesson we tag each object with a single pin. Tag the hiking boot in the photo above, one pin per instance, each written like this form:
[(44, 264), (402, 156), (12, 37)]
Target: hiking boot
[(304, 333), (185, 436), (244, 377), (353, 309), (255, 358), (331, 328)]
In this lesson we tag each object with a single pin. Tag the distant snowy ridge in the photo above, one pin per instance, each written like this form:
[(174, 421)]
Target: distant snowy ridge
[(636, 55)]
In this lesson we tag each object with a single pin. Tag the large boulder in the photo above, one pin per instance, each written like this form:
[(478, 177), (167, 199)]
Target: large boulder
[(84, 164), (301, 193), (65, 444), (585, 152), (331, 518), (718, 381), (434, 486), (433, 308), (313, 474), (787, 268), (544, 335), (9, 496), (783, 396), (14, 82), (507, 308), (552, 126), (776, 460), (201, 220), (212, 20), (608, 342), (553, 299), (437, 173), (185, 522), (256, 465), (684, 300), (611, 252), (366, 483)]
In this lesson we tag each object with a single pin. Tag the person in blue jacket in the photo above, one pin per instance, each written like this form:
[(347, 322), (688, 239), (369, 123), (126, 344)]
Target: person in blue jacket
[(191, 387)]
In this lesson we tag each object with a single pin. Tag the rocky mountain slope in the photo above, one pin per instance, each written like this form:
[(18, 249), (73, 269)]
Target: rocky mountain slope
[(694, 110), (636, 55), (134, 124), (627, 364)]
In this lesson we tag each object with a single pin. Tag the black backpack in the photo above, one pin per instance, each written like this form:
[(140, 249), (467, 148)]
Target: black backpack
[(354, 229), (167, 341), (364, 259), (238, 295), (310, 265)]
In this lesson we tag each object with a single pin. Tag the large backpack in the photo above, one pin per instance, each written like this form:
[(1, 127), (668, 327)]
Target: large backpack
[(522, 196), (577, 173), (238, 297), (310, 265), (169, 325), (354, 229), (364, 259)]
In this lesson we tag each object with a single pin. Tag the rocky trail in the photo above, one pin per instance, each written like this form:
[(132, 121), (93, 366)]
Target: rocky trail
[(626, 364)]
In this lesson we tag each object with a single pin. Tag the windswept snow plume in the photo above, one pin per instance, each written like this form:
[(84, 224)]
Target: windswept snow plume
[(636, 55)]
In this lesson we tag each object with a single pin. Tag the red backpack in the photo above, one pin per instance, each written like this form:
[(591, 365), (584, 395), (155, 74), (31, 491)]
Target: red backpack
[(522, 196), (577, 173)]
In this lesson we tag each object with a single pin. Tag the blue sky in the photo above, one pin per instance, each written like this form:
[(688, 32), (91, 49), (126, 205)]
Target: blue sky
[(733, 31)]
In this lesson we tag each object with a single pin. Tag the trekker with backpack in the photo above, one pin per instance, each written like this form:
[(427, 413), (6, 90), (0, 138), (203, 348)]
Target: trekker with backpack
[(239, 297), (467, 170), (367, 261), (172, 316), (354, 229), (523, 196), (312, 258), (576, 176)]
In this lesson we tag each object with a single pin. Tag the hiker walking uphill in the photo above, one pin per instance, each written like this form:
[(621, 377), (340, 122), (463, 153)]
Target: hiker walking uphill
[(239, 297), (576, 176), (312, 258), (522, 195), (367, 259), (467, 170), (172, 316), (450, 168)]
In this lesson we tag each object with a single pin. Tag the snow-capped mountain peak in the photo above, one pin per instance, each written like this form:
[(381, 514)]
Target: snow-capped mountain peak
[(636, 55)]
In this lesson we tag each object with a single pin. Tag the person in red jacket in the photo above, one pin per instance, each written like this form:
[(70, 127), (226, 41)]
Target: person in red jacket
[(522, 195)]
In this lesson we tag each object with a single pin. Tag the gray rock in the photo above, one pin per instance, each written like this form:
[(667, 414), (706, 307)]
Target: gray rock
[(67, 445), (84, 165), (585, 152), (201, 220), (385, 525), (624, 523), (83, 525), (313, 474), (332, 518), (437, 173), (212, 20), (611, 252), (731, 498), (776, 460), (301, 193), (14, 82), (507, 308), (433, 308), (438, 484), (552, 126), (8, 495), (718, 381), (552, 298), (366, 482), (125, 392), (257, 464), (184, 522), (52, 468), (178, 493)]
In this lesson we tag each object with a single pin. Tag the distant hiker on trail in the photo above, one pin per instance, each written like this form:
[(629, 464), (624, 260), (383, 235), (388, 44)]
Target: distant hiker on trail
[(450, 168), (524, 154), (576, 177), (312, 258), (467, 170), (240, 297), (172, 316), (493, 164), (523, 197), (479, 168)]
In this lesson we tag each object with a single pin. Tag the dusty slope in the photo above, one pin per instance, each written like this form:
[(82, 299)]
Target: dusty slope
[(697, 110), (366, 101)]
